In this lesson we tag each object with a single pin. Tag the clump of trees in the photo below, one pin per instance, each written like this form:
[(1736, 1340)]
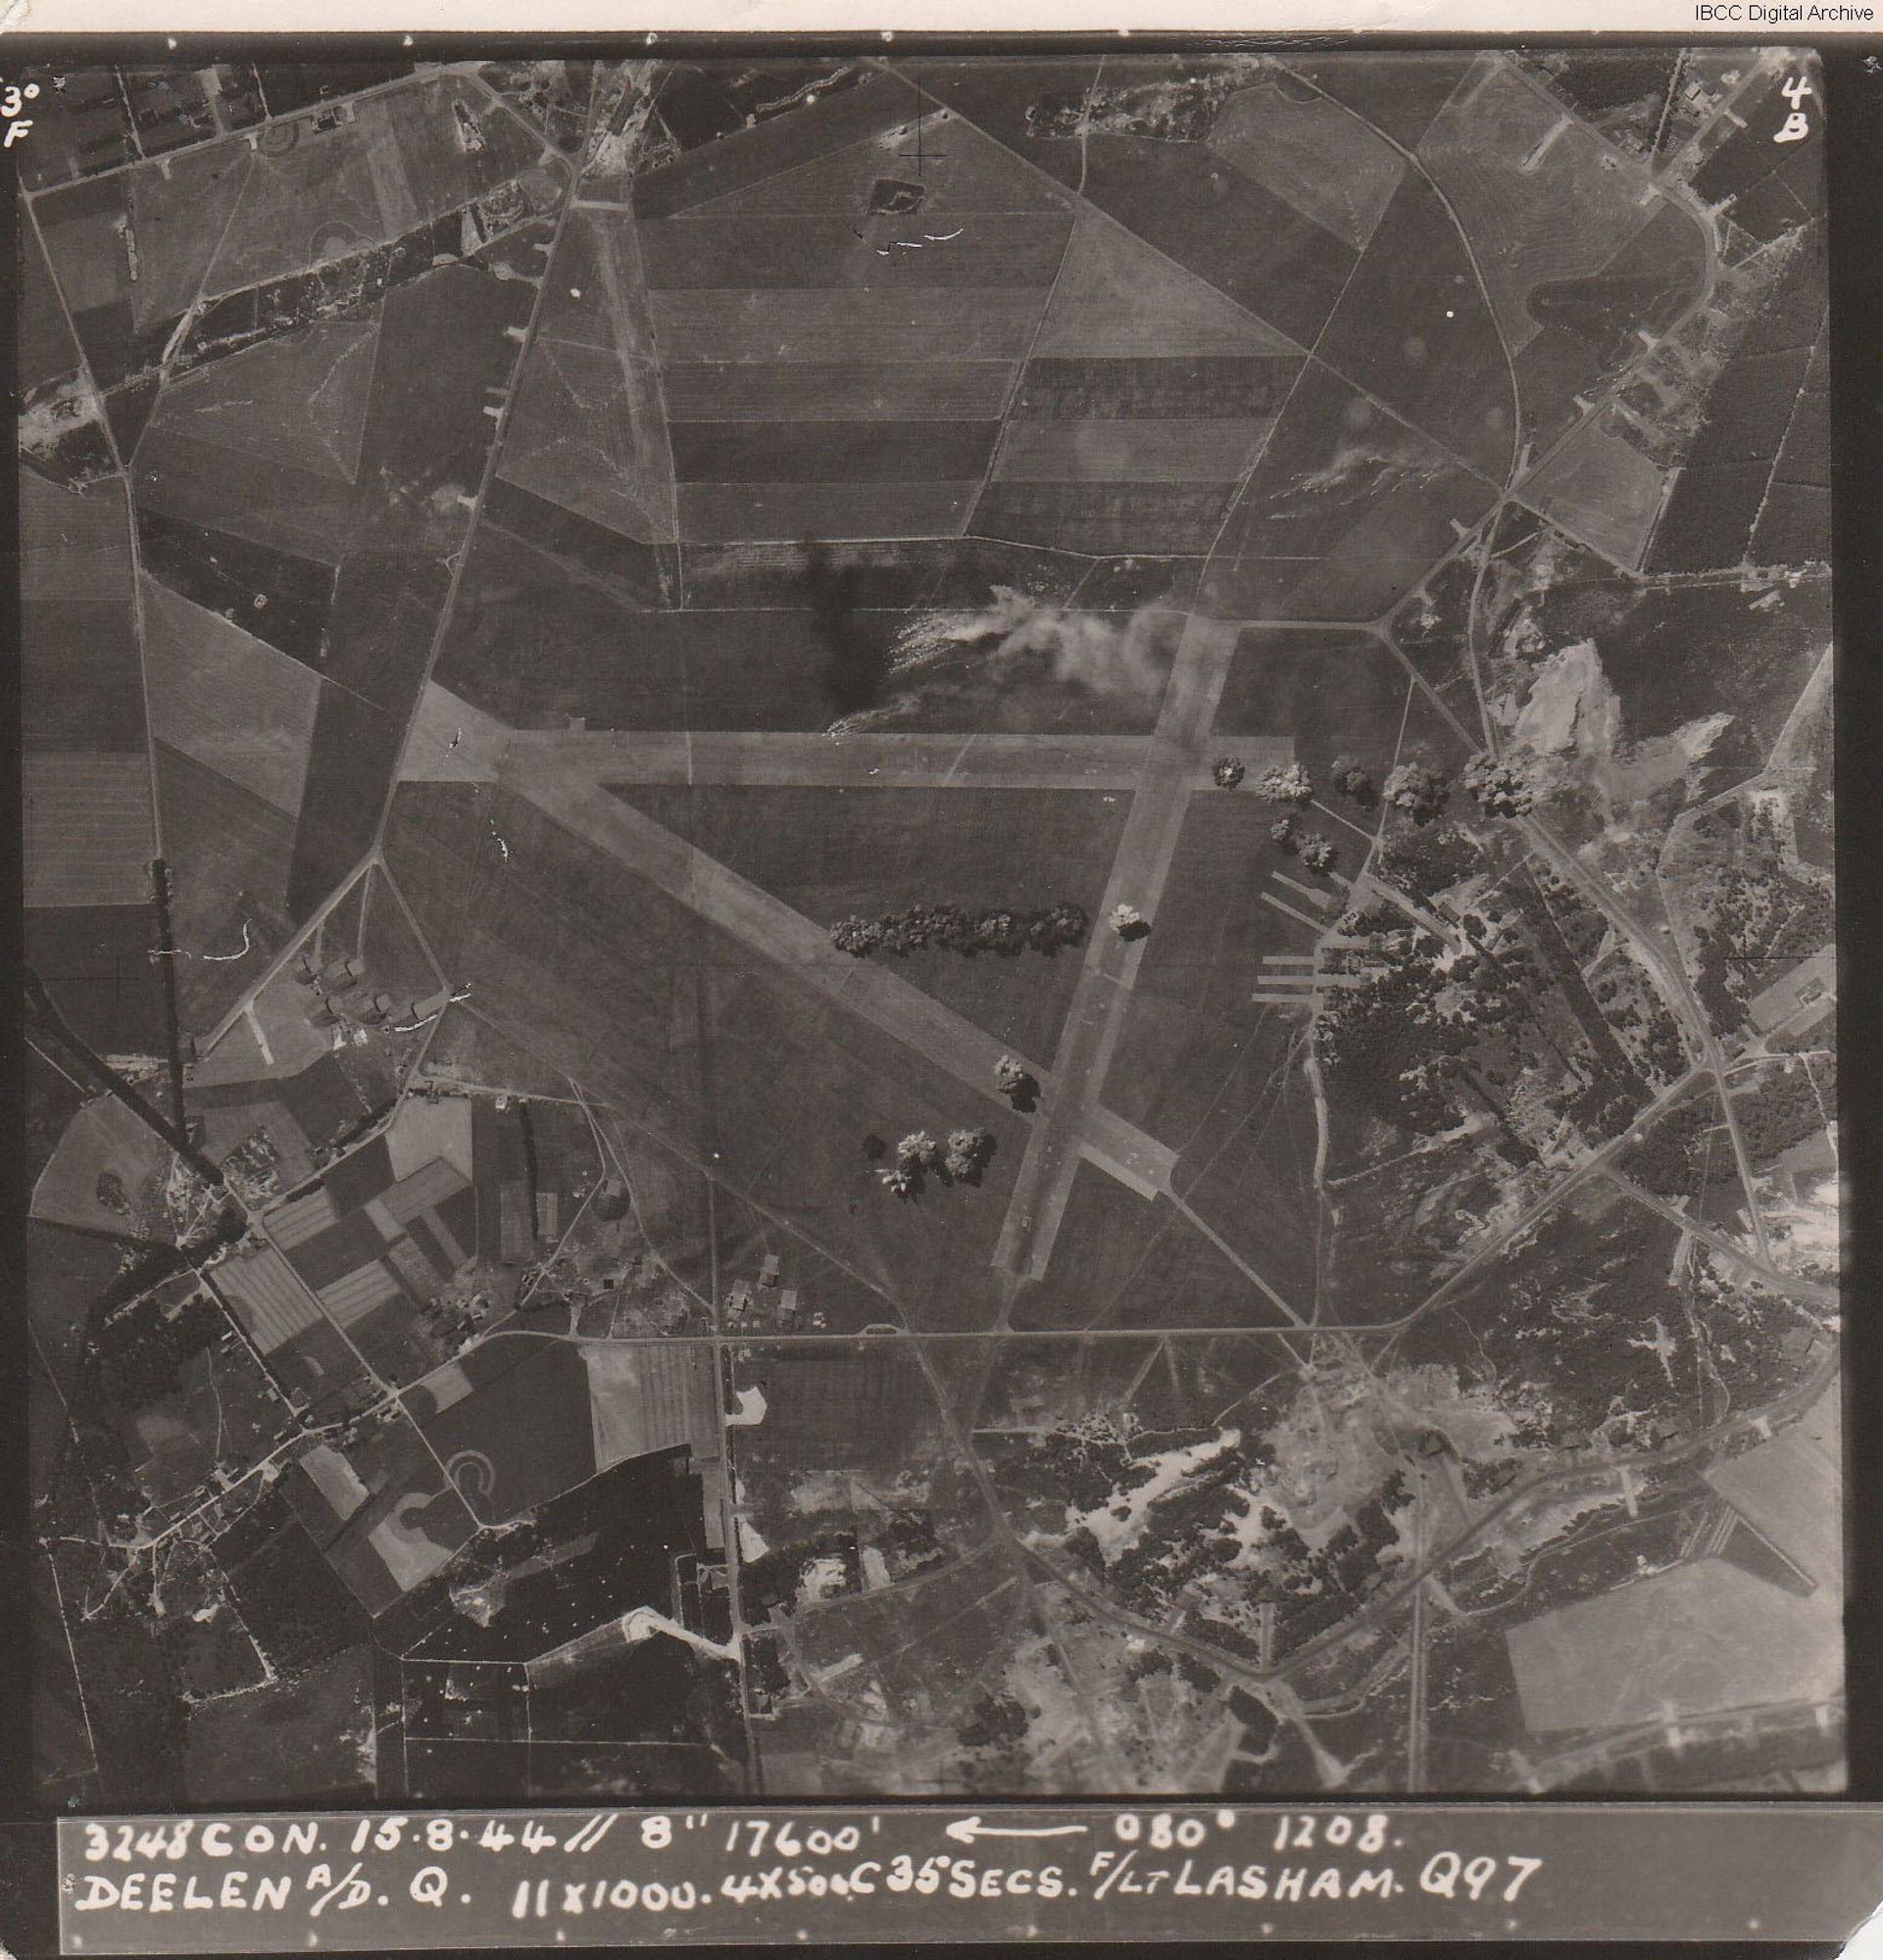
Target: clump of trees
[(1498, 788), (1782, 1111), (994, 1723), (1360, 920), (1321, 854), (950, 929), (1353, 780), (920, 1156), (1290, 784), (1317, 853), (1391, 1046), (1228, 772), (1428, 858), (1419, 790)]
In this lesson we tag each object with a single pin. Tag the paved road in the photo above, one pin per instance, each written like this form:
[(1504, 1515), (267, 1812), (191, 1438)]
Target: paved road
[(454, 743), (1800, 1285), (1126, 1153), (775, 930), (563, 773), (1095, 1018)]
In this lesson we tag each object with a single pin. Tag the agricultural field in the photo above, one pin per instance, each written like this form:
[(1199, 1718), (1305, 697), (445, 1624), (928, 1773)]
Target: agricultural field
[(919, 925)]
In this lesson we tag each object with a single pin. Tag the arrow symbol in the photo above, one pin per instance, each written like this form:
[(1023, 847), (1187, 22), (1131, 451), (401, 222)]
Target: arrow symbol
[(966, 1829)]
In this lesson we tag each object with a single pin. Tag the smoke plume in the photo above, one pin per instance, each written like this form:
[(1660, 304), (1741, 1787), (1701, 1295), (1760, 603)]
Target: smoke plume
[(1017, 640)]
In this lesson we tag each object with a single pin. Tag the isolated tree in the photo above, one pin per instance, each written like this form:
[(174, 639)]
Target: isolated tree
[(1352, 779), (918, 1150), (1287, 784), (1015, 1083), (1419, 790), (968, 1152), (1321, 854), (1286, 831), (1228, 772), (1500, 788), (899, 1183)]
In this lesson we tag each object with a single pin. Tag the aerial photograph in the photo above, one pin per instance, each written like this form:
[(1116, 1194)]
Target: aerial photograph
[(916, 926)]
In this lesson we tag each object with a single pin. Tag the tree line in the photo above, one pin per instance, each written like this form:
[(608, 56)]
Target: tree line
[(951, 928)]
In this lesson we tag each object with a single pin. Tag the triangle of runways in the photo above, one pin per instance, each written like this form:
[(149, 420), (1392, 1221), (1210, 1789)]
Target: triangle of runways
[(1118, 296)]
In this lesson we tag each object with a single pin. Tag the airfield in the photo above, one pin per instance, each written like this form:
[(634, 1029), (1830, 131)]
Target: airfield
[(535, 574)]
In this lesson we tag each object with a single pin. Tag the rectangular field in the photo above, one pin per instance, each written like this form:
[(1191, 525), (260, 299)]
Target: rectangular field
[(850, 454), (73, 547), (1197, 449), (88, 837), (1145, 387), (867, 325), (96, 963), (836, 391), (717, 512), (1102, 517), (81, 686)]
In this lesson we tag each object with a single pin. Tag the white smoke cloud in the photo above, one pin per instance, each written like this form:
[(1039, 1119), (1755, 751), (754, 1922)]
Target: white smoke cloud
[(1019, 641), (1017, 636), (1370, 464)]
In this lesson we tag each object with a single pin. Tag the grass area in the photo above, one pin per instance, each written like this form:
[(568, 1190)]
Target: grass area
[(830, 852)]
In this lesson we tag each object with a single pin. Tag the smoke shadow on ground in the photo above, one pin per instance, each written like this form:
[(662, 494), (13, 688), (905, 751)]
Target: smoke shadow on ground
[(857, 672)]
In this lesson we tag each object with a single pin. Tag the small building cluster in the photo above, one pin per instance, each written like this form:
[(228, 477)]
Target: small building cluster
[(342, 996), (768, 1304)]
